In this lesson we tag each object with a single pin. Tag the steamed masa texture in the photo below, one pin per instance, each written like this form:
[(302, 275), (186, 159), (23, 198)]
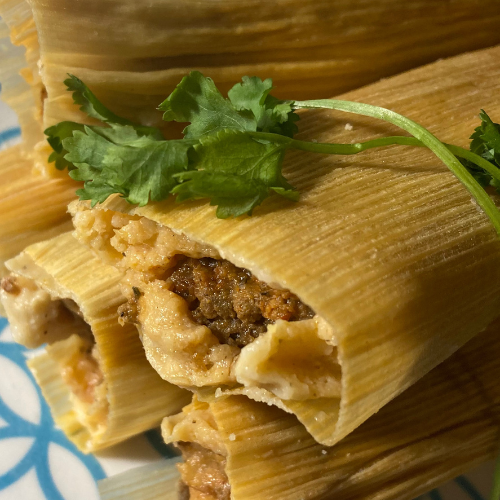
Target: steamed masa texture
[(387, 248)]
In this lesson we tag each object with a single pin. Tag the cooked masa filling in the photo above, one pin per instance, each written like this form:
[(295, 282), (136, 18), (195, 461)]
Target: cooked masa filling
[(203, 473), (203, 320), (82, 373), (36, 318)]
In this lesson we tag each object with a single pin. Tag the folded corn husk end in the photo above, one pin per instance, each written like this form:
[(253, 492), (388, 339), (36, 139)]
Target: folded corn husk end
[(158, 481)]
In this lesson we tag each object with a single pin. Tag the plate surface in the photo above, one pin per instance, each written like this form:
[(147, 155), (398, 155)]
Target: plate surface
[(37, 462)]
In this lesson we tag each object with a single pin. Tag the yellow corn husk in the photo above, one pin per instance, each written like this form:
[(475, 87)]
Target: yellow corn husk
[(132, 397), (32, 208), (444, 425), (151, 482), (133, 55), (386, 247), (20, 78)]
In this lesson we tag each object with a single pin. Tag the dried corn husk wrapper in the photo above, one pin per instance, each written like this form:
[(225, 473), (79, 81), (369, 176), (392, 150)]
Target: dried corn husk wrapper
[(132, 55), (20, 79), (94, 374), (387, 247), (151, 482), (442, 426), (32, 208)]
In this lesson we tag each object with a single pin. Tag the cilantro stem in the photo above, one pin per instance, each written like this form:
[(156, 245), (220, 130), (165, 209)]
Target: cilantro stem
[(337, 149), (349, 149), (495, 492), (358, 147), (423, 135)]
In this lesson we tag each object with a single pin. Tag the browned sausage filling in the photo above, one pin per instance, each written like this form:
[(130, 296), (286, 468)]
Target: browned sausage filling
[(203, 474), (234, 304)]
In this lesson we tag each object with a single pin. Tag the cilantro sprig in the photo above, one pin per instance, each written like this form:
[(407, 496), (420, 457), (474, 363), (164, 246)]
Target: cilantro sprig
[(233, 148), (216, 159)]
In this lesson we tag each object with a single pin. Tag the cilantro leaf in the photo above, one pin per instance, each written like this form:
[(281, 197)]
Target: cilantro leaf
[(55, 135), (235, 171), (197, 100), (95, 188), (94, 108), (485, 141), (271, 114), (89, 104), (250, 107), (250, 95), (218, 157), (283, 115), (140, 170)]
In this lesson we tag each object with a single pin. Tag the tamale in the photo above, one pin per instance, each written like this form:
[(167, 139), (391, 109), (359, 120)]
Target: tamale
[(444, 425), (386, 249), (94, 374), (132, 55), (32, 208)]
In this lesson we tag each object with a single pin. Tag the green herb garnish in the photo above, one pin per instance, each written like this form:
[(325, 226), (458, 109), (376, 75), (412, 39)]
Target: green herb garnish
[(233, 148)]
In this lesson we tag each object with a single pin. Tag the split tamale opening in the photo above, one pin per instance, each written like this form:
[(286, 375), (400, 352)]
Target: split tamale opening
[(93, 373)]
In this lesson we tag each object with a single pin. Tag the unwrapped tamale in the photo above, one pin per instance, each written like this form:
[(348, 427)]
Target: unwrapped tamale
[(332, 306), (94, 375)]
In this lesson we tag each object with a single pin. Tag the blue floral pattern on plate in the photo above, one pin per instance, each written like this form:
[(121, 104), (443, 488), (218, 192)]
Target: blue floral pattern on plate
[(27, 426)]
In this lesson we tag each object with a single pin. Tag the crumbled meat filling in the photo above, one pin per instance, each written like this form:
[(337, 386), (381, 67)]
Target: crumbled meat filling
[(234, 304), (203, 473)]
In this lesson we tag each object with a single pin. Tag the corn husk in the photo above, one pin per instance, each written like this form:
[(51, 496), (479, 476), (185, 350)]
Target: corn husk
[(132, 397), (132, 56), (444, 425), (21, 84), (151, 482), (387, 247), (32, 208)]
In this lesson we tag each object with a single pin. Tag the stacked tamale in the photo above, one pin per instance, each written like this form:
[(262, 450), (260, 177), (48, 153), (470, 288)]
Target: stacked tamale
[(393, 266)]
